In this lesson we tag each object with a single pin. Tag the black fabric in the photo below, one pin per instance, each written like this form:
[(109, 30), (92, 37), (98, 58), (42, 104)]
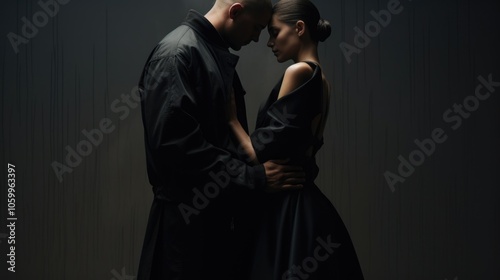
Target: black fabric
[(184, 92), (298, 234)]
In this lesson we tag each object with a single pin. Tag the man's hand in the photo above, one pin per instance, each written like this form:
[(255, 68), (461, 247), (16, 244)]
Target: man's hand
[(283, 177)]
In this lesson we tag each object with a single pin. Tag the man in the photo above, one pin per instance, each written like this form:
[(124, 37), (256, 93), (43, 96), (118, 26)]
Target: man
[(199, 183)]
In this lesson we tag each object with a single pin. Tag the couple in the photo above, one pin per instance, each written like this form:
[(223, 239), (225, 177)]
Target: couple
[(229, 205)]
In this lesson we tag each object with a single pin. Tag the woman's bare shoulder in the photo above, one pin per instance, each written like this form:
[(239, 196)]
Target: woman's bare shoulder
[(295, 75), (299, 70)]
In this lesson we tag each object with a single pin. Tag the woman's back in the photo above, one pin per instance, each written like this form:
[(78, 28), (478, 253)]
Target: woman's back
[(291, 127)]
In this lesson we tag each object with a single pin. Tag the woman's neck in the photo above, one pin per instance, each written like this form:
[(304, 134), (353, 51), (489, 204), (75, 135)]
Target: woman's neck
[(307, 53)]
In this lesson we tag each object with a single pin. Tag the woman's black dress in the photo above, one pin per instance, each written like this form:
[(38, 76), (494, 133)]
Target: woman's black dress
[(299, 234)]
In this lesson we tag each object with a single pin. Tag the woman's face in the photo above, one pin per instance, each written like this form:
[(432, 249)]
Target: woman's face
[(283, 40)]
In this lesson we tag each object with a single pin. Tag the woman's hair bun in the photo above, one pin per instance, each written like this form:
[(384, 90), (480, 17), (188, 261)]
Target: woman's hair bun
[(323, 30), (291, 11)]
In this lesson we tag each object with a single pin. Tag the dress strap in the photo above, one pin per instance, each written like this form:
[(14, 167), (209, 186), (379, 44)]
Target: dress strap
[(311, 63)]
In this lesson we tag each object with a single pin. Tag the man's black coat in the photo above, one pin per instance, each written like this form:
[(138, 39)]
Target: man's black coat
[(200, 186)]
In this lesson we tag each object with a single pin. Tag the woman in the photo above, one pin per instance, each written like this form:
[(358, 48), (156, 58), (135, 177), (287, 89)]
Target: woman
[(299, 234)]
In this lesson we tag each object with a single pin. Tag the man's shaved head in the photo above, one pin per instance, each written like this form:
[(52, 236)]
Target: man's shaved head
[(251, 4), (240, 22)]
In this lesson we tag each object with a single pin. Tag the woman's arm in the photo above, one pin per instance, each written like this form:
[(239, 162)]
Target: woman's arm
[(296, 75), (241, 135)]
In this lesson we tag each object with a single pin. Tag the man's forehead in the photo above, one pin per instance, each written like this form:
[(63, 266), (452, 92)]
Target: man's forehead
[(263, 18)]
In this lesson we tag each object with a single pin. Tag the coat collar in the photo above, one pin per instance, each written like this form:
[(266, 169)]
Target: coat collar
[(205, 28), (207, 31)]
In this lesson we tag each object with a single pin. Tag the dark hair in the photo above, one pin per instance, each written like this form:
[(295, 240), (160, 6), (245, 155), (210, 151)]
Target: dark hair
[(291, 11)]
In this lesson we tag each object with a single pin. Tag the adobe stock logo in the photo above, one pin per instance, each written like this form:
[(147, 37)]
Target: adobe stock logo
[(94, 138), (311, 264), (372, 29), (121, 276), (40, 19), (233, 169), (453, 116)]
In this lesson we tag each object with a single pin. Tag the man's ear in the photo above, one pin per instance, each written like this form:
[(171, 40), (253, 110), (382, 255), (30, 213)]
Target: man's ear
[(235, 10), (300, 27)]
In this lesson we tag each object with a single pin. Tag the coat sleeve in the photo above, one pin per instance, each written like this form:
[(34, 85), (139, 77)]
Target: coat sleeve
[(285, 135), (172, 128)]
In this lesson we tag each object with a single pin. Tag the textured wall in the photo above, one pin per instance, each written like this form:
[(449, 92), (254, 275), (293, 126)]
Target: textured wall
[(74, 72)]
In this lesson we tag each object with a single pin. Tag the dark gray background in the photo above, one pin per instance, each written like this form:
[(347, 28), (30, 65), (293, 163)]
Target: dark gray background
[(443, 222)]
